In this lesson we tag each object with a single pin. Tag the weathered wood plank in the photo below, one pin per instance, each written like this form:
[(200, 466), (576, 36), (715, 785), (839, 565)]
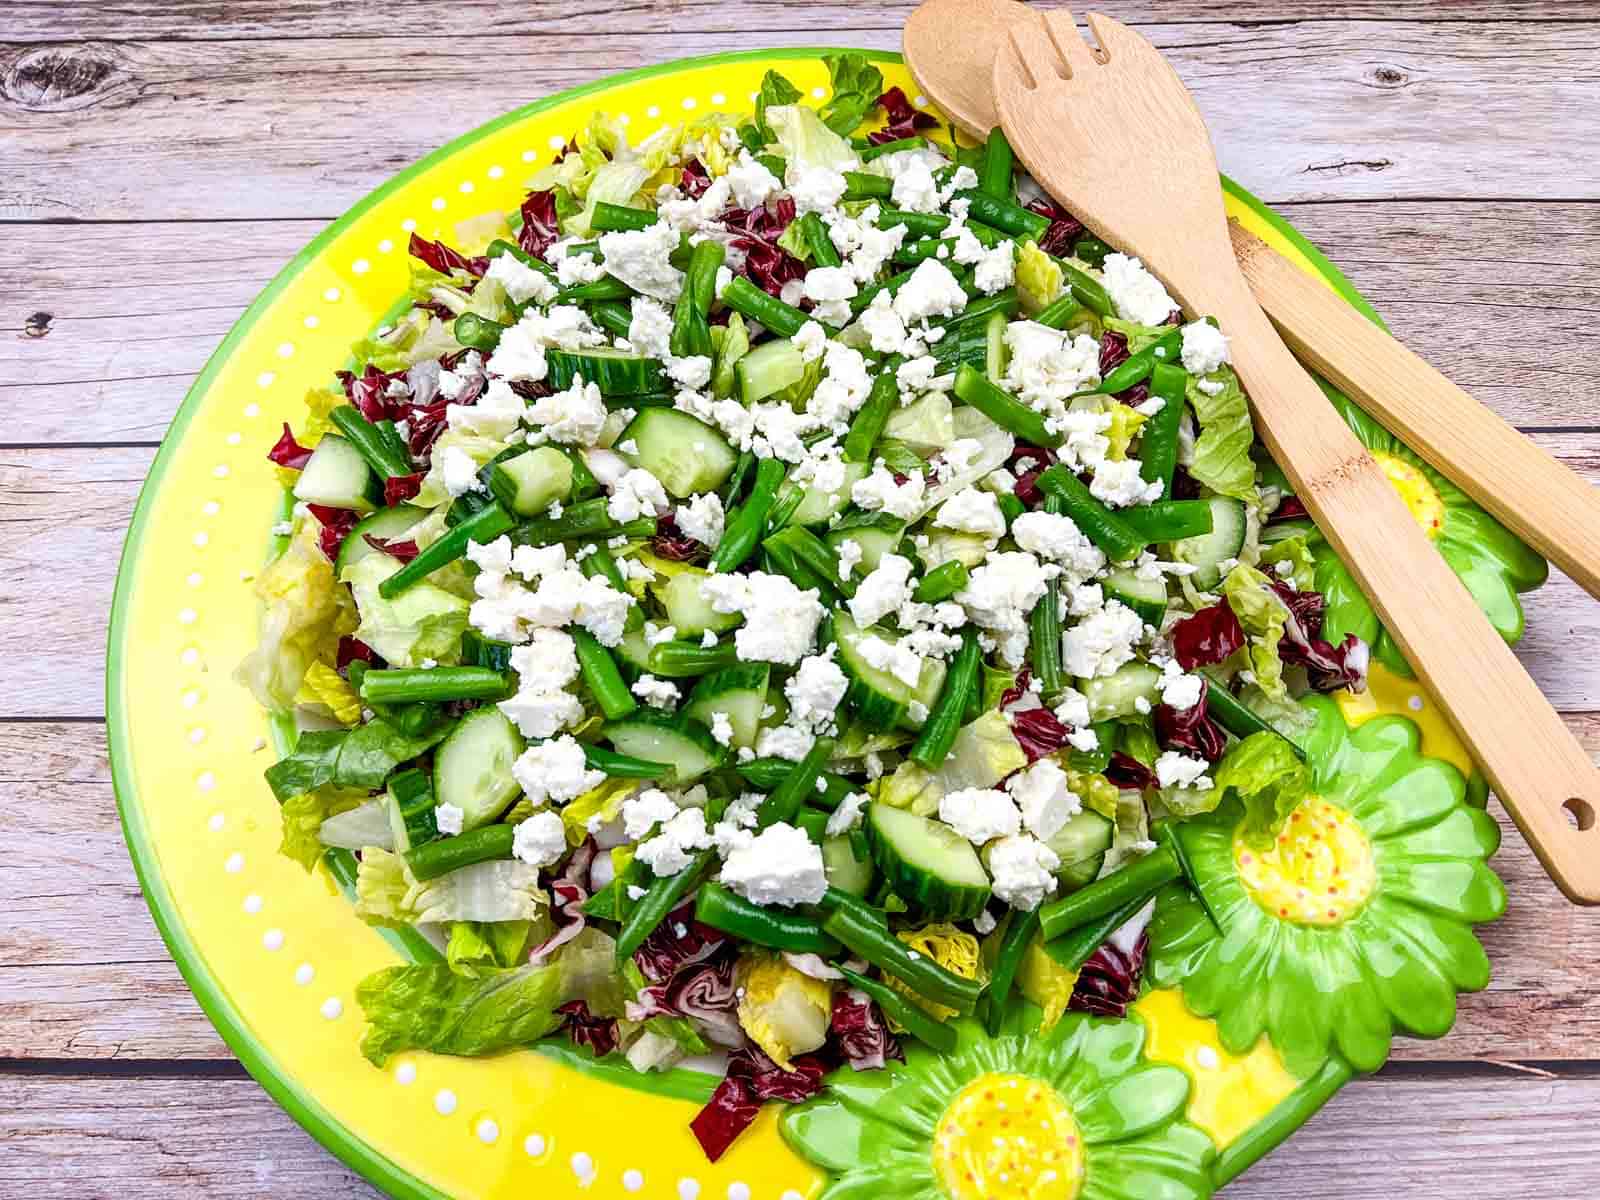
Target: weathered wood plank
[(197, 20), (165, 1137), (1513, 325), (113, 129), (88, 975)]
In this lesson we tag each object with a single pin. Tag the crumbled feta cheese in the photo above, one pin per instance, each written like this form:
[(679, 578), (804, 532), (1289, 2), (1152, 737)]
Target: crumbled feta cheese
[(811, 341), (1041, 793), (639, 257), (780, 866), (1137, 294), (916, 375), (708, 639), (980, 814), (999, 596), (1205, 348), (831, 286), (750, 181), (1084, 599), (458, 471), (885, 330), (448, 818), (788, 742), (721, 725), (843, 389), (1056, 537), (541, 840), (555, 772), (520, 353), (847, 816), (1101, 642), (1179, 690), (932, 291), (996, 270), (650, 328), (521, 282), (643, 812), (879, 492), (545, 666), (1046, 366), (575, 269), (637, 494), (574, 416), (915, 189), (972, 511), (1174, 769), (780, 620), (883, 591), (1210, 387), (702, 519), (816, 691), (693, 371), (849, 557), (984, 924), (779, 431), (1118, 484), (815, 189), (897, 658), (656, 692), (673, 848), (497, 414), (1023, 871)]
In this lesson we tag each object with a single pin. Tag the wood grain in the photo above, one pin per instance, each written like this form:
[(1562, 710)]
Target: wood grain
[(1378, 1138), (1510, 326), (132, 130)]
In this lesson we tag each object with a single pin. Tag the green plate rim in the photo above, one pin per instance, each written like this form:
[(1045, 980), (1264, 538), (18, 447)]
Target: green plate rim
[(339, 1140)]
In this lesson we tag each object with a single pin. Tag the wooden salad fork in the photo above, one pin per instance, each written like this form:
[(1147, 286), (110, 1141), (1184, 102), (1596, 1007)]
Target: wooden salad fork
[(1114, 135)]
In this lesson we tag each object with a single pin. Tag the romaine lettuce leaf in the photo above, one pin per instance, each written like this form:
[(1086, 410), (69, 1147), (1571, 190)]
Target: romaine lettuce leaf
[(1222, 459), (1039, 278), (302, 818), (1270, 781), (857, 84), (423, 622), (806, 142), (1139, 336), (732, 342), (775, 90), (1263, 617), (476, 946), (984, 752), (430, 1007), (306, 612), (355, 758), (1295, 552)]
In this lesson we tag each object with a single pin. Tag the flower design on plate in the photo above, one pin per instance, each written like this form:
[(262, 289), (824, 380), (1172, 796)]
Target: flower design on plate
[(1490, 560), (1078, 1112), (1355, 922)]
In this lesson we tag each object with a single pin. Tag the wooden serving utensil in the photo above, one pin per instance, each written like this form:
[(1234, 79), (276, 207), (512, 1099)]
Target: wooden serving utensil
[(950, 47), (1114, 135)]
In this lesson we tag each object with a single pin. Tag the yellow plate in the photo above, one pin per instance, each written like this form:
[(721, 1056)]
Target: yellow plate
[(274, 955)]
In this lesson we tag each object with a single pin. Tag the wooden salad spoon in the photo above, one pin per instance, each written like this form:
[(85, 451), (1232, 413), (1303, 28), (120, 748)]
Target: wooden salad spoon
[(950, 46), (1115, 136)]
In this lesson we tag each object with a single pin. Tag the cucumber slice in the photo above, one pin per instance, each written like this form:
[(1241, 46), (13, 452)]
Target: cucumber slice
[(929, 684), (818, 506), (968, 343), (948, 545), (1081, 845), (876, 533), (1116, 694), (614, 372), (410, 805), (739, 692), (386, 525), (529, 483), (768, 368), (689, 611), (472, 767), (1208, 550), (480, 651), (878, 698), (336, 476), (994, 336), (1147, 597), (634, 650), (926, 426), (684, 744), (843, 869), (928, 865), (685, 454)]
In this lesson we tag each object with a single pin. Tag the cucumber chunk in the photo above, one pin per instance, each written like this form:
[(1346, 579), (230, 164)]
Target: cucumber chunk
[(472, 767), (1081, 845), (688, 610), (929, 865), (685, 454), (336, 476), (929, 684), (876, 533), (634, 650), (387, 524), (682, 743), (1147, 597), (739, 692), (926, 426), (1209, 550), (529, 483), (817, 506), (843, 869), (614, 372), (768, 368), (1117, 694), (878, 698)]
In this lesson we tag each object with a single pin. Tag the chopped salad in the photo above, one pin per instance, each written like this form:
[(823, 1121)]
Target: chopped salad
[(772, 595)]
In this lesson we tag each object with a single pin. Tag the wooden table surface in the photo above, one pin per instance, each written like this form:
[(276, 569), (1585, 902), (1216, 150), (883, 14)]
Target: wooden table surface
[(161, 159)]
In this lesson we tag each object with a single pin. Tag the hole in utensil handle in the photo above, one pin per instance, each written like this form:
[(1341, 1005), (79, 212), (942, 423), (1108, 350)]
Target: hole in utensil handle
[(1580, 813)]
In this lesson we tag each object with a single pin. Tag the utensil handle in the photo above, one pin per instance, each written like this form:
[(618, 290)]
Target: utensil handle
[(1547, 505), (1533, 762)]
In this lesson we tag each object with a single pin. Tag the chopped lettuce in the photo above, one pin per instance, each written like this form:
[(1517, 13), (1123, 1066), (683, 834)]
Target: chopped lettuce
[(303, 816), (775, 90), (857, 84), (1263, 617), (430, 1007), (1139, 336), (983, 754), (806, 142), (1130, 832), (306, 612), (995, 448), (423, 622), (599, 806), (1222, 459), (365, 825), (1046, 983), (1039, 278), (589, 973), (1295, 552), (1269, 780), (1124, 427), (501, 890), (783, 1011), (731, 342), (954, 949), (354, 758), (328, 691), (476, 946)]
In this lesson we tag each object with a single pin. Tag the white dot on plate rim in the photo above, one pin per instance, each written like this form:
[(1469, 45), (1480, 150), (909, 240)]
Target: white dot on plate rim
[(201, 538), (263, 380), (689, 102), (189, 699), (496, 172), (217, 822), (286, 350), (332, 1008), (465, 187), (437, 204), (194, 579), (582, 1165), (331, 295), (361, 266), (488, 1132), (197, 735), (1414, 703), (791, 1194), (405, 1074), (233, 439), (304, 974), (533, 1145), (221, 470), (272, 939), (409, 224), (556, 141), (189, 657), (688, 1189), (210, 508), (1207, 1058), (385, 246), (653, 111), (252, 904), (311, 321), (187, 616), (252, 409), (444, 1102), (206, 781), (738, 1191), (632, 1179), (718, 98), (529, 155), (234, 863), (920, 101), (818, 93)]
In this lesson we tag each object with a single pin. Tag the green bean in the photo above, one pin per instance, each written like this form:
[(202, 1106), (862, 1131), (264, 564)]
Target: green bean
[(734, 488), (1011, 507), (618, 218), (744, 529), (730, 912), (1103, 527), (608, 287), (782, 560), (765, 774), (745, 297), (783, 509), (679, 660), (1088, 290), (1136, 368), (484, 525), (941, 583), (500, 246), (622, 766), (615, 317), (823, 252), (865, 934), (391, 434), (1229, 712), (868, 153), (1059, 313), (1158, 444), (937, 1035), (1014, 945), (994, 177), (369, 442), (1168, 520), (858, 185), (661, 897), (1092, 762), (1004, 215), (446, 854), (1005, 302), (601, 677), (586, 519), (1073, 949), (944, 720), (974, 388), (816, 554), (1134, 882), (798, 786), (406, 685), (866, 427), (1044, 638), (917, 224), (691, 334), (865, 296), (477, 333), (1091, 250)]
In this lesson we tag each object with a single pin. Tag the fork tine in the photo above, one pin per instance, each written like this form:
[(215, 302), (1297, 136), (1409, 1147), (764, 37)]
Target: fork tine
[(1064, 36), (1024, 48), (1114, 37)]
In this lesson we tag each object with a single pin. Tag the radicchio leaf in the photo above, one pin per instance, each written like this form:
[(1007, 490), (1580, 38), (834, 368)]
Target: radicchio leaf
[(567, 896), (861, 1033), (1109, 981), (671, 544), (288, 452), (1207, 637), (373, 394), (1190, 729), (904, 118), (1039, 732), (752, 1077), (336, 525), (397, 489), (677, 942), (1028, 462), (404, 551), (1113, 350), (756, 231), (704, 992), (541, 227), (599, 1034), (695, 179), (445, 259), (1290, 508), (351, 650), (1128, 772), (1065, 229)]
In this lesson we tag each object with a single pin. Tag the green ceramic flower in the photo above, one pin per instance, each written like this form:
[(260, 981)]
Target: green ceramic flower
[(1077, 1112), (1489, 559), (1355, 922)]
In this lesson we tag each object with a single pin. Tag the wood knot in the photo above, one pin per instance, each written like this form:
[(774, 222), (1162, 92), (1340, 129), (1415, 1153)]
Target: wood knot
[(1390, 77), (37, 324), (61, 78)]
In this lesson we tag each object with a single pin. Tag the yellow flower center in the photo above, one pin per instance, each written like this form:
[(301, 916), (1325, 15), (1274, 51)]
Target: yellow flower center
[(1008, 1137), (1427, 510), (1319, 871)]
